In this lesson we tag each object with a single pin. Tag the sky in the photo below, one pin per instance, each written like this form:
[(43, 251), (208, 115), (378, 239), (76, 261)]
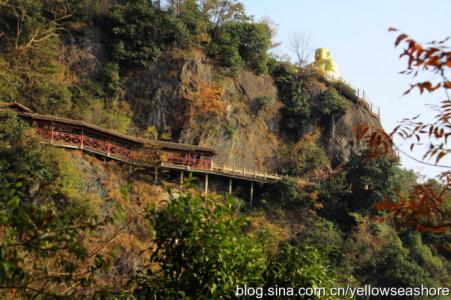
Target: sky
[(357, 34)]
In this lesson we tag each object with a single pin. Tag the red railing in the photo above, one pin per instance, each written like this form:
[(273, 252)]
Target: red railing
[(86, 142), (109, 149), (194, 163)]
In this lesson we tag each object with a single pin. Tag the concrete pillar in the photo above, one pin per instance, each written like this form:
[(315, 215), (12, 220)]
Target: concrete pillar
[(52, 133), (230, 186), (155, 175), (181, 177), (206, 185), (81, 139), (252, 194)]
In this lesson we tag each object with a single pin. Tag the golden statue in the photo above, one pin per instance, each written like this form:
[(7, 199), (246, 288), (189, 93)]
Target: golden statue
[(324, 62)]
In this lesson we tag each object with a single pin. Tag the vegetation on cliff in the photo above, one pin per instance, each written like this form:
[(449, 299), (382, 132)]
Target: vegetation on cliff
[(73, 227)]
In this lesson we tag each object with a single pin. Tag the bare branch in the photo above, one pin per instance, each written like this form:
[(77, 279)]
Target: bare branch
[(300, 47)]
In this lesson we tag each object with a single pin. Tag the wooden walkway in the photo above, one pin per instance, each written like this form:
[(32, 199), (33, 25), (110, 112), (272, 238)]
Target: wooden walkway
[(118, 154), (228, 171), (74, 134)]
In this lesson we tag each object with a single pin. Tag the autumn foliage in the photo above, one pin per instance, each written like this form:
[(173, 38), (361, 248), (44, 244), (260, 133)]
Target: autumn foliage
[(424, 209), (427, 207), (206, 101)]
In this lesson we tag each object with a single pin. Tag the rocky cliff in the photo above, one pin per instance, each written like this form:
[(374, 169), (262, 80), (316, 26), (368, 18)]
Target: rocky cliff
[(174, 95)]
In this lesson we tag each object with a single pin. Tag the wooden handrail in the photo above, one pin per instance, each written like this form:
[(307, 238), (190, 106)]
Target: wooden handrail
[(108, 149), (366, 102), (115, 151)]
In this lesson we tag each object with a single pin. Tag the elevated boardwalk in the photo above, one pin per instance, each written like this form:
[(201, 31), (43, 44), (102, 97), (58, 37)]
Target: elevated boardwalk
[(230, 172), (115, 152), (74, 134)]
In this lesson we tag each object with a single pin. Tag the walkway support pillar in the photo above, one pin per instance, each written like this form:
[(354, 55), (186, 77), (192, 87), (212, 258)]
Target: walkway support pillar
[(230, 186), (81, 139), (181, 177), (206, 185), (252, 194), (155, 175), (52, 133)]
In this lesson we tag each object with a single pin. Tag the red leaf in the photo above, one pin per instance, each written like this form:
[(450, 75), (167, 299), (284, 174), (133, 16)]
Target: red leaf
[(440, 156), (400, 38)]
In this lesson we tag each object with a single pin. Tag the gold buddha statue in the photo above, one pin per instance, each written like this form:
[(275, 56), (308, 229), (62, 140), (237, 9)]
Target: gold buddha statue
[(325, 63)]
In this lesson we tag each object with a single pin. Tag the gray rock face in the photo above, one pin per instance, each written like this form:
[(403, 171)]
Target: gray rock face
[(249, 141), (341, 140), (246, 138), (86, 55)]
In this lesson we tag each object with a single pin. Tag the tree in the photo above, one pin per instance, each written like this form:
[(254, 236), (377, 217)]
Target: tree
[(370, 180), (221, 11), (242, 43), (377, 255), (331, 103), (427, 208), (301, 48), (24, 24), (200, 250), (44, 219), (136, 33), (306, 157), (297, 110), (293, 267), (29, 64), (362, 183)]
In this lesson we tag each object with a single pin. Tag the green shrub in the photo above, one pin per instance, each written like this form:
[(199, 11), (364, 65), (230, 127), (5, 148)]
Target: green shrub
[(377, 256), (306, 157), (299, 90), (427, 258), (27, 14), (194, 18), (362, 183), (297, 110), (21, 157), (263, 103), (137, 33), (283, 74), (321, 234), (242, 43), (200, 250), (292, 267), (330, 102), (346, 90), (225, 51), (112, 82), (286, 194), (371, 179), (10, 84), (229, 130)]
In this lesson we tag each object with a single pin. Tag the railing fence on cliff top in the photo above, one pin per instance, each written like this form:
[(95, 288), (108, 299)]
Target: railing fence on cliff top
[(361, 95)]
